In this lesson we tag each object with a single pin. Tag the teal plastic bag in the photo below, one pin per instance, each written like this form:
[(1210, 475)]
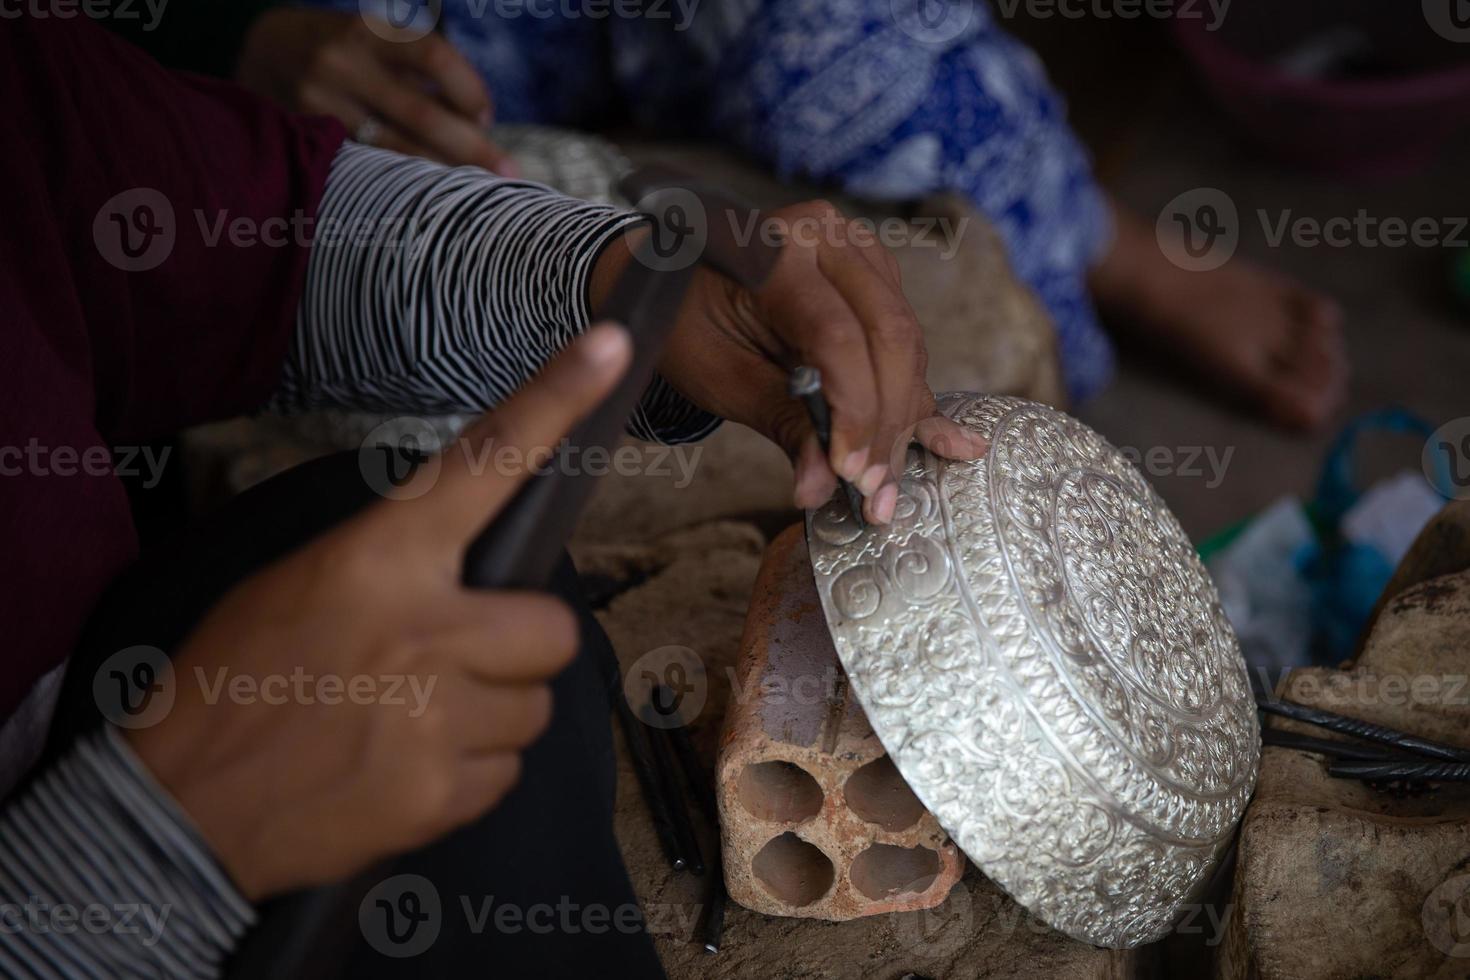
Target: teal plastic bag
[(1347, 578)]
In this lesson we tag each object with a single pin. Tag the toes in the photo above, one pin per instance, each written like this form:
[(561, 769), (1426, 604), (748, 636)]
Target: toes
[(1319, 318), (1299, 407), (1322, 312), (1307, 375), (1307, 395)]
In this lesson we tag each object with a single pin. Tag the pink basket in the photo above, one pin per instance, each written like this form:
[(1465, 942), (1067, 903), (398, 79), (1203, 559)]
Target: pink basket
[(1366, 128)]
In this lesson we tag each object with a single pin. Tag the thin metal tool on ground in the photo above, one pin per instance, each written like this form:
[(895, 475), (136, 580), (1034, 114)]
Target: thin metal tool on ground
[(667, 777), (1385, 755), (1411, 744), (702, 787), (701, 783), (1331, 747), (1411, 771), (712, 931), (646, 769)]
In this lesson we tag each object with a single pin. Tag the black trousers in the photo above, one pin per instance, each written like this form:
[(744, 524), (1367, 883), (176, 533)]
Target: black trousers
[(535, 888)]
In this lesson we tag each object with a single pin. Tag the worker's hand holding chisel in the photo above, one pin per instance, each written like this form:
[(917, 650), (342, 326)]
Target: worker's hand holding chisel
[(834, 302)]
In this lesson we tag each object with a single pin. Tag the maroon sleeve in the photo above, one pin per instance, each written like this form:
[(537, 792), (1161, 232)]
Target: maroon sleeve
[(123, 316), (173, 214)]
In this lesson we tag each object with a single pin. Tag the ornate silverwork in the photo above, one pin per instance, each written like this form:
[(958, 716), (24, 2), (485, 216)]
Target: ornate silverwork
[(1039, 648)]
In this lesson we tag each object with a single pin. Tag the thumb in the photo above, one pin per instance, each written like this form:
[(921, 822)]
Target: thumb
[(482, 469)]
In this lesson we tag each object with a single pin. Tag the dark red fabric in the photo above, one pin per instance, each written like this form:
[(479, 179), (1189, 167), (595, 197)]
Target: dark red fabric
[(94, 355)]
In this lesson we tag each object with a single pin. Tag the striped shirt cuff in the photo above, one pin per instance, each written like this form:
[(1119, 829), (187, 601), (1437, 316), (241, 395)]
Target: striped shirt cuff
[(443, 290), (665, 416), (103, 875)]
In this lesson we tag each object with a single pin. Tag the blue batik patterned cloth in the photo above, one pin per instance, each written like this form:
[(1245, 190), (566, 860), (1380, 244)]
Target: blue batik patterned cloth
[(860, 94)]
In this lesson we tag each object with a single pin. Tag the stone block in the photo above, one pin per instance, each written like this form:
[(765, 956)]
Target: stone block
[(1342, 879), (1442, 547)]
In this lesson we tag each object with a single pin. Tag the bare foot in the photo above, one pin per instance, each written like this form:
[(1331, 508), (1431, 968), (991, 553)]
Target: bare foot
[(1261, 338)]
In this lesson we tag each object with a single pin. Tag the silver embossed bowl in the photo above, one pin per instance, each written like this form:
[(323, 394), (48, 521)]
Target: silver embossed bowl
[(1045, 658)]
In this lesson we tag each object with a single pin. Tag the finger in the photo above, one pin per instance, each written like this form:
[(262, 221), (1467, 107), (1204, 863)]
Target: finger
[(466, 492), (766, 405), (878, 509), (485, 718), (947, 438), (389, 138), (817, 322), (327, 102), (1298, 408), (895, 346), (323, 101), (1319, 356), (507, 637), (1313, 362), (417, 115), (480, 782), (435, 58), (461, 87), (936, 433)]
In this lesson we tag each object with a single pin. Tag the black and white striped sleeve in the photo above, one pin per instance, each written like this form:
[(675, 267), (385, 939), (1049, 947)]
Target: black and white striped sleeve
[(438, 289), (102, 876)]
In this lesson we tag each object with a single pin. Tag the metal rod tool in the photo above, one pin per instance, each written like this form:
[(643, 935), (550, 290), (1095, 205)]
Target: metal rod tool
[(1415, 770), (1365, 730), (806, 384), (667, 777), (1332, 748), (646, 769)]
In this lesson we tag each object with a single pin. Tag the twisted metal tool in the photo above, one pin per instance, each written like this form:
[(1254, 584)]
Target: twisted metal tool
[(1409, 770), (1333, 748), (1382, 734)]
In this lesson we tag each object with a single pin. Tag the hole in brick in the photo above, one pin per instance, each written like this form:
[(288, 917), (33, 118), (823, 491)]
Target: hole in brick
[(793, 871), (885, 870), (878, 794), (779, 791)]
